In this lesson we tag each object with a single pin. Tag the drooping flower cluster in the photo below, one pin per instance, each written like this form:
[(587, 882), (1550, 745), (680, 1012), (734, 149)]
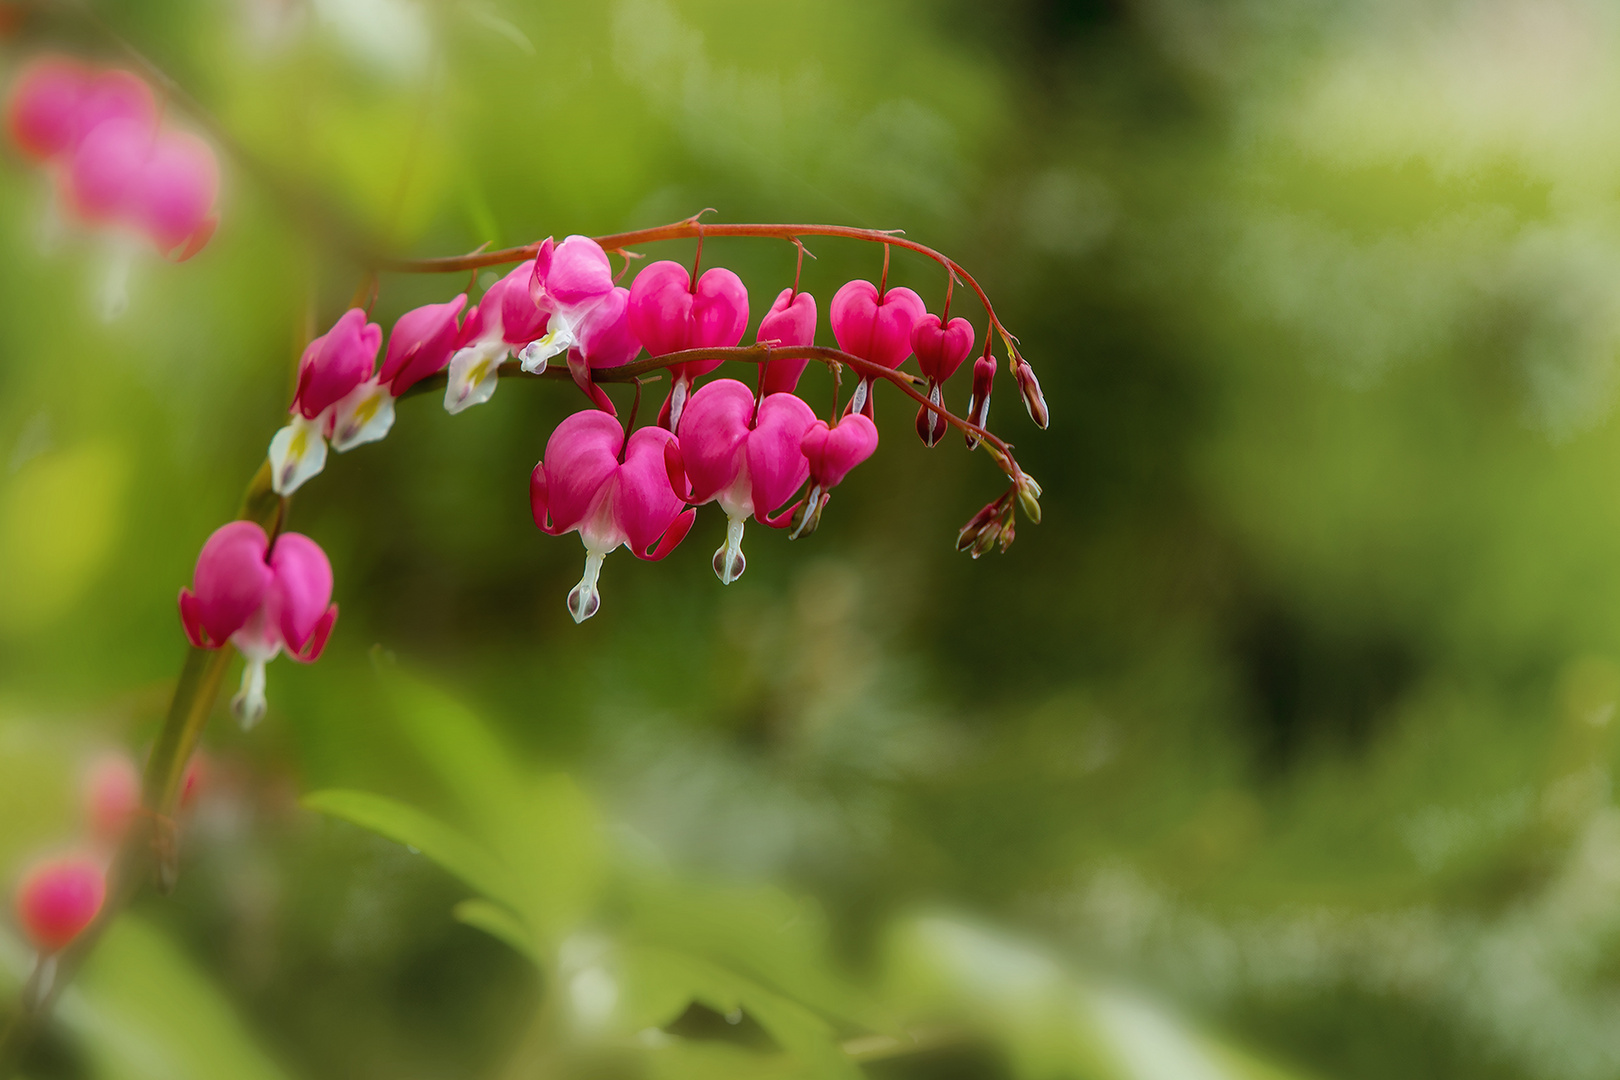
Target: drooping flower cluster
[(262, 597), (753, 452), (113, 164)]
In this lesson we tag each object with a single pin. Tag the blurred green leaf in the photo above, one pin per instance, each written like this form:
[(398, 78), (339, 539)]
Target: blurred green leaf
[(499, 923), (146, 1014), (458, 854)]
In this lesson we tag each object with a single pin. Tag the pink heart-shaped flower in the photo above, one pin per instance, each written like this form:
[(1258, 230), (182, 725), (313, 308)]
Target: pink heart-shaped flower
[(833, 451), (337, 362), (421, 343), (229, 584), (791, 321), (668, 316), (875, 329), (42, 111), (174, 201), (941, 350)]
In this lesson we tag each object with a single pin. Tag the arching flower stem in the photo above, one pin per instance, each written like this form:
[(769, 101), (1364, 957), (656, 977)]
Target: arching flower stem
[(689, 228)]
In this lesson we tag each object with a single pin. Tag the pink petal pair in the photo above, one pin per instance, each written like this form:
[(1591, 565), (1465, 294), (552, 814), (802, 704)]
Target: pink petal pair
[(791, 321), (340, 397), (875, 327), (745, 457), (121, 168), (831, 451), (669, 314), (56, 101), (505, 319), (583, 484), (573, 282), (421, 343), (940, 351), (262, 600)]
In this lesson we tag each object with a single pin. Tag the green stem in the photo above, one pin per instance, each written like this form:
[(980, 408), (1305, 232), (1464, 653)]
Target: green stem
[(151, 846)]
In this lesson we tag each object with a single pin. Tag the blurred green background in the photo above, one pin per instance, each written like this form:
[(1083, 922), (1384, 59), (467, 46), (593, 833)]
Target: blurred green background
[(1281, 748)]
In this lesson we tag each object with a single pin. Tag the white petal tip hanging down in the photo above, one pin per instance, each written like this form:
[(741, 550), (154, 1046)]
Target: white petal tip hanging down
[(297, 452), (473, 374)]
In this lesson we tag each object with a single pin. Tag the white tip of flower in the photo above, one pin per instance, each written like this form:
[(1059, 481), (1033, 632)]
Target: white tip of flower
[(249, 704), (297, 452), (473, 373), (584, 599), (556, 342), (51, 230), (677, 401), (729, 562), (112, 295), (364, 416), (38, 990), (857, 400)]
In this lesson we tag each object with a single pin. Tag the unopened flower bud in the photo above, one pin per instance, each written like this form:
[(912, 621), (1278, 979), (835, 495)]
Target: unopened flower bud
[(1029, 387), (968, 535), (112, 797), (978, 414), (1029, 496), (930, 424), (58, 899)]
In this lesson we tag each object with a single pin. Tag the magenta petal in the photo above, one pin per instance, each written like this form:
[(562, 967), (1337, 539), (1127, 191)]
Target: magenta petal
[(606, 337), (337, 362), (713, 432), (833, 452), (791, 321), (230, 583), (776, 462), (661, 307), (941, 349), (117, 95), (316, 645), (645, 505), (522, 321), (421, 344), (579, 275), (719, 310), (191, 619), (105, 176), (582, 456), (303, 587), (879, 332), (42, 113), (175, 198)]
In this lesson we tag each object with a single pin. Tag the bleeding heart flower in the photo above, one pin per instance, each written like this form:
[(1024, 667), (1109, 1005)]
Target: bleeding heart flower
[(105, 174), (1029, 388), (605, 341), (504, 320), (745, 458), (42, 112), (583, 485), (831, 452), (58, 898), (978, 411), (874, 327), (940, 351), (669, 314), (791, 321), (338, 398), (173, 201), (567, 282), (262, 601), (116, 95), (420, 344), (112, 797)]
